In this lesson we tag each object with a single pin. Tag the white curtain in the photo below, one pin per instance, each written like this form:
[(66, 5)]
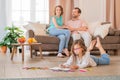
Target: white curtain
[(4, 16), (76, 3)]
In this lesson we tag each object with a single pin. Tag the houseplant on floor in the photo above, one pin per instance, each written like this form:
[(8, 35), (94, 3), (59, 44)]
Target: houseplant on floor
[(13, 33), (3, 46)]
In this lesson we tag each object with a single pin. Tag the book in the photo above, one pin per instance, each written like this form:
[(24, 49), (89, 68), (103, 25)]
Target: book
[(60, 69)]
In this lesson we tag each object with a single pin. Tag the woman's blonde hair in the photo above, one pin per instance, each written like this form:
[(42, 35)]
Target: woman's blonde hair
[(80, 42), (61, 8)]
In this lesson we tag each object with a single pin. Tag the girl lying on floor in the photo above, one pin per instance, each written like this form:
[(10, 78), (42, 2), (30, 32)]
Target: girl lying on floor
[(81, 57)]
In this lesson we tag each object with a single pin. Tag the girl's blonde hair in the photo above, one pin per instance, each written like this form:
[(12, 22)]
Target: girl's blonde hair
[(80, 42)]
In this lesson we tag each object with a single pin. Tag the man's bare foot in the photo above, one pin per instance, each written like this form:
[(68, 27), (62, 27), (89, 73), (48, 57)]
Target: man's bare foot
[(66, 52)]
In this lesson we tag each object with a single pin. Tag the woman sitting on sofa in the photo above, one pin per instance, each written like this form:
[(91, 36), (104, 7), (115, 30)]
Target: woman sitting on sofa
[(57, 29)]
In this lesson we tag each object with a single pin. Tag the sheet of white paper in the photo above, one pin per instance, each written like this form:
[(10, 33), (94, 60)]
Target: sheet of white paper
[(60, 69)]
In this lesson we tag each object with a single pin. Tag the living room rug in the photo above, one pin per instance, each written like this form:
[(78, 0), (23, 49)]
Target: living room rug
[(70, 78)]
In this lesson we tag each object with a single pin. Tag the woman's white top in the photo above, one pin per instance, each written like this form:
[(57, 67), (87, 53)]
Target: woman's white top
[(85, 61)]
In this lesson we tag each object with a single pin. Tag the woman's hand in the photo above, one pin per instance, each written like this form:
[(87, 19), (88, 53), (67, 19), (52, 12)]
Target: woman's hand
[(93, 42)]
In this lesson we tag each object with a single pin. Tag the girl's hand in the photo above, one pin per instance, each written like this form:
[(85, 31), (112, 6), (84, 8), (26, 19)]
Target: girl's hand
[(63, 66), (74, 67), (93, 42)]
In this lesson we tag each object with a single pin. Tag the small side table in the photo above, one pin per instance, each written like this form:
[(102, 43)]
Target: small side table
[(26, 44)]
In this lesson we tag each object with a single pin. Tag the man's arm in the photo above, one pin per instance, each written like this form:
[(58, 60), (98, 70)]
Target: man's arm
[(84, 28)]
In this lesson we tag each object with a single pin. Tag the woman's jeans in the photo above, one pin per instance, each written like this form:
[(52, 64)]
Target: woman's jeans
[(103, 60), (63, 35)]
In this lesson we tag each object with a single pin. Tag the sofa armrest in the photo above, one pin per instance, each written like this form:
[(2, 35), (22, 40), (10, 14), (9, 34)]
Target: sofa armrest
[(30, 34), (114, 32), (111, 32), (117, 32)]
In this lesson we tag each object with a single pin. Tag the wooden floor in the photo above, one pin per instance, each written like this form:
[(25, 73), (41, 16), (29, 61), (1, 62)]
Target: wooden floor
[(14, 69)]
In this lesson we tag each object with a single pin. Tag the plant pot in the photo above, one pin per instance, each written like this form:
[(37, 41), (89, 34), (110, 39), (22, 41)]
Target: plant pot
[(3, 49)]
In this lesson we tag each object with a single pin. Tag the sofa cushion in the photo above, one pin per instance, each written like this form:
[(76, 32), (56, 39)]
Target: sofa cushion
[(111, 40), (47, 47), (47, 39), (92, 26), (111, 46), (39, 29)]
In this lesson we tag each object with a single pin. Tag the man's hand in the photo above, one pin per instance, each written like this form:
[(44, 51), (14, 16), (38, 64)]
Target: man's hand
[(82, 29), (65, 27), (71, 29)]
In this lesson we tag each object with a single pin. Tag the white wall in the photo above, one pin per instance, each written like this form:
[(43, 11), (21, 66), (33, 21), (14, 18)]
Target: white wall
[(2, 18), (93, 10)]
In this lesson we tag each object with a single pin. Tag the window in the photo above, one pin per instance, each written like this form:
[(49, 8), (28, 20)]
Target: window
[(30, 10)]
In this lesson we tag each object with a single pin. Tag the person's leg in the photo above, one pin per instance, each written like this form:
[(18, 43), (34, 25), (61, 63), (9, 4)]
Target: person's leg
[(76, 36), (67, 35), (87, 38), (62, 43), (57, 32), (67, 38), (103, 60)]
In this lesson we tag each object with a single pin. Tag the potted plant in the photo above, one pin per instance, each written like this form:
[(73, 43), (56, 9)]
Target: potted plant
[(13, 33), (3, 46)]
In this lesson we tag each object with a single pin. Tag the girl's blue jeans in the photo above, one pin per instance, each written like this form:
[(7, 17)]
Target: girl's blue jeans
[(103, 60)]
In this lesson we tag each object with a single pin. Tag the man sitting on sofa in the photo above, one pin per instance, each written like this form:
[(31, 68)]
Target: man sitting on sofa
[(78, 27)]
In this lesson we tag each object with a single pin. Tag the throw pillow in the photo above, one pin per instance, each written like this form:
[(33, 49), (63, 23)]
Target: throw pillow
[(39, 29), (28, 27), (102, 30), (93, 26)]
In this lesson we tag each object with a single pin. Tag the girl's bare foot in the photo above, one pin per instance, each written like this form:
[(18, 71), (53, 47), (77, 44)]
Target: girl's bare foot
[(92, 44), (98, 44)]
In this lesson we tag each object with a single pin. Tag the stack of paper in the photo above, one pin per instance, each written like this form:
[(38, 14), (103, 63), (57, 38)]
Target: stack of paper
[(60, 69)]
